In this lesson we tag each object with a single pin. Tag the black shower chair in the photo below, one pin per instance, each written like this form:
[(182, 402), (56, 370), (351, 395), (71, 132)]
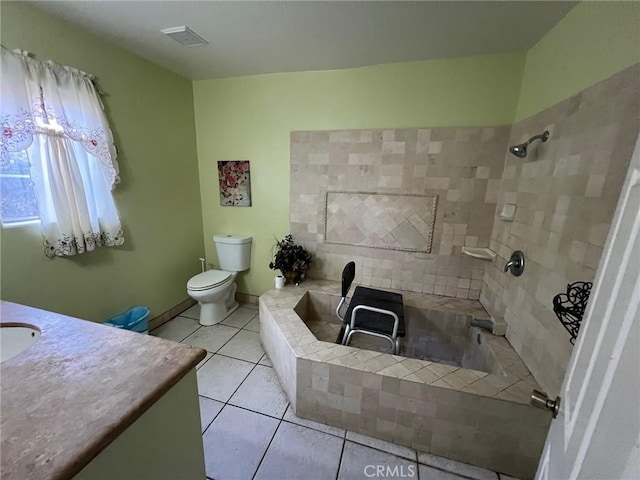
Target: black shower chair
[(370, 311)]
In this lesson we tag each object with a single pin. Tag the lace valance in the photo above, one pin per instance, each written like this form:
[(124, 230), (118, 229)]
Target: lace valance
[(39, 103)]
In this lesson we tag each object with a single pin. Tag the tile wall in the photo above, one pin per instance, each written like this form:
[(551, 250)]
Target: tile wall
[(566, 192), (462, 166)]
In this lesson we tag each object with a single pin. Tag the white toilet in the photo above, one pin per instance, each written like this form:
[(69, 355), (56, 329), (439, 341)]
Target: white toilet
[(215, 290)]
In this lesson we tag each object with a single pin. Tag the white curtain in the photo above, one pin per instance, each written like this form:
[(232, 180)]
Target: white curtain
[(55, 114)]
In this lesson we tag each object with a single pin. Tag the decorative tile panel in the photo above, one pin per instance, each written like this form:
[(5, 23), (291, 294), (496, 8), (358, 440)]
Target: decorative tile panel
[(380, 220)]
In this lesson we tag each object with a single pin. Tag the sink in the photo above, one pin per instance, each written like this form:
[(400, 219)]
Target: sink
[(16, 338)]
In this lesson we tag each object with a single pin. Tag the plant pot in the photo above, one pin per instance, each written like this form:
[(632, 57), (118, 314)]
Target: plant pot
[(290, 276), (295, 277)]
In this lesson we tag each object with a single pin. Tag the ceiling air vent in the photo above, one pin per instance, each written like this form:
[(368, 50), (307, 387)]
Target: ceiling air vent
[(185, 36)]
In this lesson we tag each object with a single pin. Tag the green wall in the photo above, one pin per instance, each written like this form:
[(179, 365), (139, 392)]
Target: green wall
[(151, 115), (250, 118), (594, 41)]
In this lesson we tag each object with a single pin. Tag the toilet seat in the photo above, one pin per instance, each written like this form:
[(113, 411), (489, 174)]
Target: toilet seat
[(208, 280)]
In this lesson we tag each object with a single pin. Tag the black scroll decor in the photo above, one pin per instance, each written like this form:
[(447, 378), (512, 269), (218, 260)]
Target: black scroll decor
[(569, 307)]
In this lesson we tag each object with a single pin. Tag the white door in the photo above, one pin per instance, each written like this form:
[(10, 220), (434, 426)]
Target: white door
[(597, 432)]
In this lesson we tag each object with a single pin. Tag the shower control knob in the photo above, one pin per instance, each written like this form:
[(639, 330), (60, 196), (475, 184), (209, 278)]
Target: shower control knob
[(541, 400), (515, 264)]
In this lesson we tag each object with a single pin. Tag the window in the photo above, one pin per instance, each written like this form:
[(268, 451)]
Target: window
[(17, 200)]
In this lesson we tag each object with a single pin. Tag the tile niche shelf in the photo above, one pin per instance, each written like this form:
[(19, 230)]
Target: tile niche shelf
[(480, 252)]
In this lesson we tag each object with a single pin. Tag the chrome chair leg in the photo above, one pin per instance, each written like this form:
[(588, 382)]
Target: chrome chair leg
[(345, 335)]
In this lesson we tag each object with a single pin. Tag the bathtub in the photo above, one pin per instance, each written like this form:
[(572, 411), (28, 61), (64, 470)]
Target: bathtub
[(464, 396)]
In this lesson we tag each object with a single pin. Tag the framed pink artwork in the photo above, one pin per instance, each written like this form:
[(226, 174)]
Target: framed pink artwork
[(234, 178)]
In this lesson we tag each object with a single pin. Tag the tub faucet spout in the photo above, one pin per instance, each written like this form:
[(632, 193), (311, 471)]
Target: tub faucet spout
[(510, 263), (484, 323)]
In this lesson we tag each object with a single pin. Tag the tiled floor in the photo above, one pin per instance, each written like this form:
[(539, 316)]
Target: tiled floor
[(249, 431)]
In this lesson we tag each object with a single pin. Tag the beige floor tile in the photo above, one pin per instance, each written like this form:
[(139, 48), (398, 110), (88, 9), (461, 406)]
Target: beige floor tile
[(235, 443), (360, 462), (261, 392), (266, 361), (298, 452), (192, 312), (388, 447), (453, 466), (176, 329), (240, 317), (219, 378), (428, 473), (208, 411), (253, 325), (245, 345), (211, 338)]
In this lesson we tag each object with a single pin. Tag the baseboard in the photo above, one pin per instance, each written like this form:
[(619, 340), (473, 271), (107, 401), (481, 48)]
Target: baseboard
[(155, 322), (247, 298)]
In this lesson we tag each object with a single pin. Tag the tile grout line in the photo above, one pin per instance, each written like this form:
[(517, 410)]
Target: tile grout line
[(267, 449), (221, 346), (312, 428), (197, 328), (243, 380), (379, 449), (234, 392), (237, 388), (239, 359), (229, 356), (200, 326), (214, 417), (253, 411), (344, 444)]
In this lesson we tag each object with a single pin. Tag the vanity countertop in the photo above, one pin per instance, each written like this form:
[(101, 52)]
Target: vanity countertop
[(64, 399)]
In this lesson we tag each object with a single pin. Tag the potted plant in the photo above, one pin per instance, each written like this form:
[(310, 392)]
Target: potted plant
[(292, 260)]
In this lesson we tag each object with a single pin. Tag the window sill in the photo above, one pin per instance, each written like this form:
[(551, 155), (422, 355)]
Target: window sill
[(26, 223)]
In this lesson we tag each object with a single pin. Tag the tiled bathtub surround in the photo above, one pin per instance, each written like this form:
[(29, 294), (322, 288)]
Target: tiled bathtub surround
[(482, 418), (566, 191), (435, 335), (461, 166)]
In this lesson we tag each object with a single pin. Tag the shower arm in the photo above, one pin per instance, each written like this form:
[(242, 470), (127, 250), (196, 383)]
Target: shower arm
[(544, 136)]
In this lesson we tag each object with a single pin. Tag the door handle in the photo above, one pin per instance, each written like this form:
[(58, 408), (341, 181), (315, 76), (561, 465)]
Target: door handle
[(541, 400)]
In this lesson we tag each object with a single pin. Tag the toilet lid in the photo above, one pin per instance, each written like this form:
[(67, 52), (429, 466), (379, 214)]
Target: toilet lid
[(208, 279)]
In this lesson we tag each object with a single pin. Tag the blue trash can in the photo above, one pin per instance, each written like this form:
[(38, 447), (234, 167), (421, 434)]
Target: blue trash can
[(135, 319)]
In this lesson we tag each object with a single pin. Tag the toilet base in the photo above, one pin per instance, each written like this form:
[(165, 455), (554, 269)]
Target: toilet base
[(214, 313)]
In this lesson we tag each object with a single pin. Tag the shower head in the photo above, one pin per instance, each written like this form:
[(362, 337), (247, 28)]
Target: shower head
[(520, 151)]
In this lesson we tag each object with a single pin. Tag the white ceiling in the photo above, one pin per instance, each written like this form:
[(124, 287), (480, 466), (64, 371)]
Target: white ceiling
[(254, 37)]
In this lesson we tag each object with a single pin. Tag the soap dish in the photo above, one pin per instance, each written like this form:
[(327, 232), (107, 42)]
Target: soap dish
[(479, 252), (508, 212)]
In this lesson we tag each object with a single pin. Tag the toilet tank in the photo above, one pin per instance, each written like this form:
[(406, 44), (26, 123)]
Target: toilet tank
[(234, 252)]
